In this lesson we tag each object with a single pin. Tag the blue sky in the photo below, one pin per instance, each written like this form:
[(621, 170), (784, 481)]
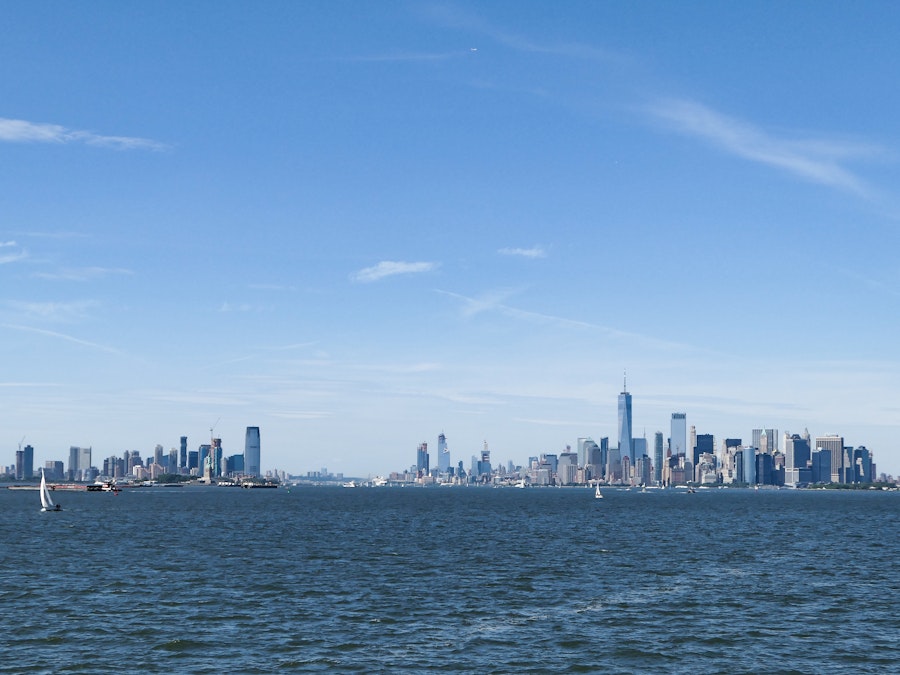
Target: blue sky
[(356, 225)]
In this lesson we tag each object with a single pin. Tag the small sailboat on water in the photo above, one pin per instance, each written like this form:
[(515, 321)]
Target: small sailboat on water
[(597, 493), (46, 500)]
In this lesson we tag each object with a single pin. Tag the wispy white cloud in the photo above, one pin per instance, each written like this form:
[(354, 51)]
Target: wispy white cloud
[(271, 287), (456, 17), (301, 414), (494, 301), (407, 56), (489, 301), (62, 311), (29, 385), (872, 283), (204, 398), (814, 160), (22, 131), (533, 252), (226, 307), (53, 235), (13, 256), (83, 273), (402, 368), (388, 268), (63, 336)]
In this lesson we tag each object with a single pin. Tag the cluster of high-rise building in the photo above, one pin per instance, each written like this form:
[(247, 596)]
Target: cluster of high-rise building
[(684, 457), (208, 461)]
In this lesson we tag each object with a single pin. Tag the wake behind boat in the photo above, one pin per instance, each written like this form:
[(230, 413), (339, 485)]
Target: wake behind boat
[(46, 500)]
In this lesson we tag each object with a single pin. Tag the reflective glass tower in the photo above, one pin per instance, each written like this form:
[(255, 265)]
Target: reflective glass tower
[(678, 437), (443, 454), (251, 452), (626, 446)]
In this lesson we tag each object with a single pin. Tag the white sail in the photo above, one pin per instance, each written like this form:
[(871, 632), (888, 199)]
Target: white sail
[(46, 501), (597, 494)]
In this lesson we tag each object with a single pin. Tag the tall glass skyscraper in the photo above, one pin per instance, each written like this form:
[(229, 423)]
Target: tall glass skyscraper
[(182, 455), (443, 454), (251, 452), (626, 446), (678, 436), (658, 456)]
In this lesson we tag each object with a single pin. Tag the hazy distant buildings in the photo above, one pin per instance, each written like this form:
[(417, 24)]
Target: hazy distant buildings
[(251, 453), (79, 463), (567, 468)]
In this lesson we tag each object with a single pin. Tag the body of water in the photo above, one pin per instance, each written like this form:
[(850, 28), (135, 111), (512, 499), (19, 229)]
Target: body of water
[(465, 580)]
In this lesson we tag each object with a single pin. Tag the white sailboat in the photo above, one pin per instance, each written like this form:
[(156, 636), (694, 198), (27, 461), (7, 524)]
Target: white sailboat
[(597, 493), (46, 500)]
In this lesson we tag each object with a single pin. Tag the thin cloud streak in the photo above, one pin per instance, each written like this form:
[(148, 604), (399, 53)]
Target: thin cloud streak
[(533, 252), (405, 57), (13, 257), (389, 268), (61, 311), (493, 302), (63, 336), (816, 161), (82, 274), (455, 17), (23, 131)]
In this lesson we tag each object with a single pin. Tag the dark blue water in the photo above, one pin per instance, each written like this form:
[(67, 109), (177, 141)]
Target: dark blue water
[(212, 580)]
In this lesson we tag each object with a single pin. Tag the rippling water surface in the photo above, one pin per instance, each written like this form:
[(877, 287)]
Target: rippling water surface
[(212, 580)]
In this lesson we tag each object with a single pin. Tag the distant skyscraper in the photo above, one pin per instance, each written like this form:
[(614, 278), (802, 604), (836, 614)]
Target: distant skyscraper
[(251, 452), (749, 458), (182, 456), (678, 436), (771, 440), (703, 444), (835, 445), (639, 445), (422, 459), (581, 450), (821, 466), (443, 454), (79, 462), (25, 463), (626, 447), (796, 460), (658, 456)]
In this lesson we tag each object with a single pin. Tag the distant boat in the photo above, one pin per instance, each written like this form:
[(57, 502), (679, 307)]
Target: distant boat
[(350, 484), (521, 483), (597, 493), (46, 500)]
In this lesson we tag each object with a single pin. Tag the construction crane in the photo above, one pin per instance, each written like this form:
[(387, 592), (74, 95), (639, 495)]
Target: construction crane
[(22, 441)]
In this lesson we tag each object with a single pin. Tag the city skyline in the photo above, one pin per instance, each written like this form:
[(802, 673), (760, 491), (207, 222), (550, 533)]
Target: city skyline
[(357, 225), (675, 444)]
